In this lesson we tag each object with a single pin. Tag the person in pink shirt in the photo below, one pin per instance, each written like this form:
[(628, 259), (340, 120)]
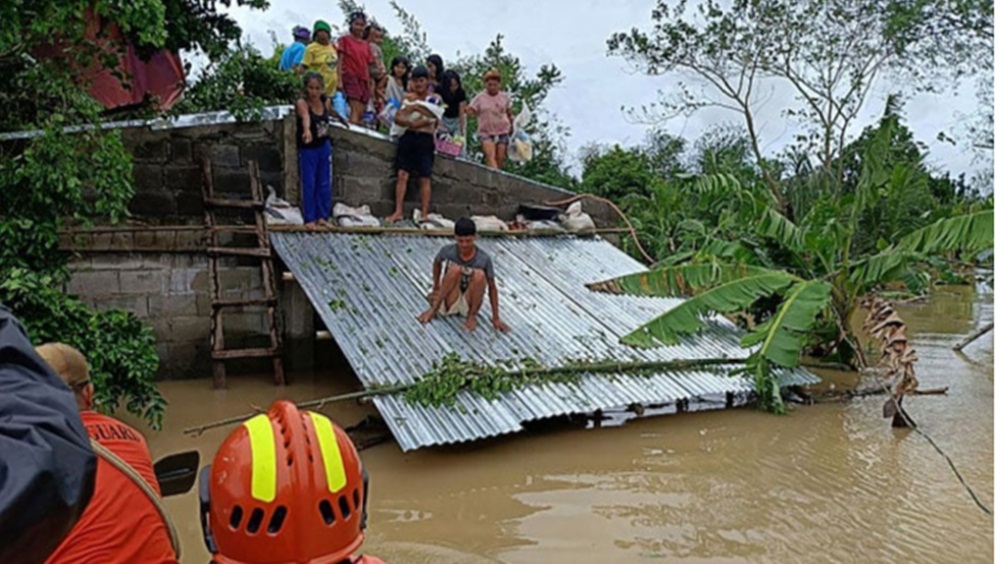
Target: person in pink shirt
[(492, 107), (355, 56)]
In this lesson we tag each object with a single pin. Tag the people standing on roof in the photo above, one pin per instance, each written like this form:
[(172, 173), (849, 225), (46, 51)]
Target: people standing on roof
[(395, 91), (47, 467), (291, 57), (420, 118), (397, 84), (462, 272), (313, 111), (435, 70), (455, 103), (121, 524), (321, 57), (287, 486), (376, 69), (355, 56), (493, 110)]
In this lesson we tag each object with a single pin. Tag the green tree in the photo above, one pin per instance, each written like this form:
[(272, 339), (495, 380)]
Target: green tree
[(812, 265), (616, 172), (242, 82), (71, 171), (829, 53)]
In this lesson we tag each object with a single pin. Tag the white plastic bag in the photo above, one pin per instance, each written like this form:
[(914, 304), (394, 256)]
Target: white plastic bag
[(521, 148)]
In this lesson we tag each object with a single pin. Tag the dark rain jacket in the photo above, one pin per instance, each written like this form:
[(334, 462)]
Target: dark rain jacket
[(46, 464)]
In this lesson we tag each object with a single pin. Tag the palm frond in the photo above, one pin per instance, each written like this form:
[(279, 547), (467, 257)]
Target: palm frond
[(776, 226), (675, 281), (686, 319), (970, 232), (783, 335)]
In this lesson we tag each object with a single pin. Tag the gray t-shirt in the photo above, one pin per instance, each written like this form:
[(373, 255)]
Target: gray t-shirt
[(480, 260)]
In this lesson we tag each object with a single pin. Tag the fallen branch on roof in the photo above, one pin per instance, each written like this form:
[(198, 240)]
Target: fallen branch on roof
[(441, 385)]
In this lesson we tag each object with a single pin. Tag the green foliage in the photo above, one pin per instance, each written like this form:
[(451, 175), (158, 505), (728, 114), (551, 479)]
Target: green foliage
[(58, 177), (686, 319), (242, 82), (447, 377), (120, 349), (801, 279), (730, 56), (202, 26), (617, 172)]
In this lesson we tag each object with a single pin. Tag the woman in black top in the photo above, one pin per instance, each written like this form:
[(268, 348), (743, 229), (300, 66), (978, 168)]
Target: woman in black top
[(313, 138), (455, 101)]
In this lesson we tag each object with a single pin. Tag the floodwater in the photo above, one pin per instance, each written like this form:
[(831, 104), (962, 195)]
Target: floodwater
[(826, 483)]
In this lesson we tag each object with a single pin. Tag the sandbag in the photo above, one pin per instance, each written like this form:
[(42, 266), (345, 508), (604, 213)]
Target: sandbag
[(346, 216), (575, 220), (489, 223), (435, 221)]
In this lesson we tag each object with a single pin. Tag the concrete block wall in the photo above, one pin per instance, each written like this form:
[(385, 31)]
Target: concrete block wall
[(167, 166), (363, 174), (171, 292)]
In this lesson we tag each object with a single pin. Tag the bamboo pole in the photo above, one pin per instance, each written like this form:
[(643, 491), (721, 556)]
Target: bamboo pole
[(597, 367), (437, 232), (968, 340)]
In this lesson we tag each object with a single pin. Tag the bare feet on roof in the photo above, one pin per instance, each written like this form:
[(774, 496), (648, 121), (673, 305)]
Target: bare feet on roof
[(324, 223), (311, 226), (470, 324), (426, 316), (394, 218)]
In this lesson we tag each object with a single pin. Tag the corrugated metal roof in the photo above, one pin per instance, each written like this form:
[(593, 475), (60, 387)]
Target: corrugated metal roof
[(378, 282)]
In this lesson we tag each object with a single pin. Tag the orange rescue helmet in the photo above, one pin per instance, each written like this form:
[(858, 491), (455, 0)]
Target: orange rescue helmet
[(286, 487)]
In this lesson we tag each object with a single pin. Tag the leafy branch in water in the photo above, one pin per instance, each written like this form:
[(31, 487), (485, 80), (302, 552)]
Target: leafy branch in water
[(441, 385)]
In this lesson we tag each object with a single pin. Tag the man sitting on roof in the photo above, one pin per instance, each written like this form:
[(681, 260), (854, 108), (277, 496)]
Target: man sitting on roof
[(469, 271)]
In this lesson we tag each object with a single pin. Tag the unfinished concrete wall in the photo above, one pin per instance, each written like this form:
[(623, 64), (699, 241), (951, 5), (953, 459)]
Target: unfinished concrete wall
[(363, 174), (168, 170), (171, 293), (168, 173)]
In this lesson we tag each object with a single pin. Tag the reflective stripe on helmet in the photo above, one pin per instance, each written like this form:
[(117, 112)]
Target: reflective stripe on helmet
[(264, 475), (333, 463)]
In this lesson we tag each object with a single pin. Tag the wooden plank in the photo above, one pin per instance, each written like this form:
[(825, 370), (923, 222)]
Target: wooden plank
[(239, 252), (245, 353), (235, 204), (244, 302)]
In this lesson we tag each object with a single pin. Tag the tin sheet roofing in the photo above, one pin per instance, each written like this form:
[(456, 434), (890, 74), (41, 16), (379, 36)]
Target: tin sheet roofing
[(369, 289)]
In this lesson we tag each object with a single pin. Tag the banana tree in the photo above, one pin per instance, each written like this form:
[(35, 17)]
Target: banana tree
[(823, 285)]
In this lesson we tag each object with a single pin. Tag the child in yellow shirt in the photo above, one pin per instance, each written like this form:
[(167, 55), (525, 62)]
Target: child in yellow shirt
[(321, 57)]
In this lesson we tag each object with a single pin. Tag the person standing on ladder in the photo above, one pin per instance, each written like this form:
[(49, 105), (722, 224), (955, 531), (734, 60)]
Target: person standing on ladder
[(468, 273)]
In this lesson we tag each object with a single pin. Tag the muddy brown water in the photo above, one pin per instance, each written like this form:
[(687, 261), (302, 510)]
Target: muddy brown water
[(826, 483)]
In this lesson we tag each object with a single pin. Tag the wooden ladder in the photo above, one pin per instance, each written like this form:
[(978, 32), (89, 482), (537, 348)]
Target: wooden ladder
[(262, 252)]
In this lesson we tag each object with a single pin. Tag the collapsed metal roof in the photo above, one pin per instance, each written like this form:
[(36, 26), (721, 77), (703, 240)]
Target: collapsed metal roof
[(378, 284)]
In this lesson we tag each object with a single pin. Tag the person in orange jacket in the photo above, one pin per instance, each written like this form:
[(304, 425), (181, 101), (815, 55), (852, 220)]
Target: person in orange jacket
[(285, 487), (47, 467), (122, 523)]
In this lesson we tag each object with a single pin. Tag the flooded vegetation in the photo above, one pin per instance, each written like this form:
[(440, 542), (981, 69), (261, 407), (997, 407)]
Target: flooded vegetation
[(825, 483)]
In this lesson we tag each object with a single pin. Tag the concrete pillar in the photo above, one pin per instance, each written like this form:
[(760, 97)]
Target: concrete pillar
[(298, 325)]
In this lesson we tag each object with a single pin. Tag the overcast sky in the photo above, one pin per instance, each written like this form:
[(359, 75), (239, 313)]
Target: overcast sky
[(572, 35)]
